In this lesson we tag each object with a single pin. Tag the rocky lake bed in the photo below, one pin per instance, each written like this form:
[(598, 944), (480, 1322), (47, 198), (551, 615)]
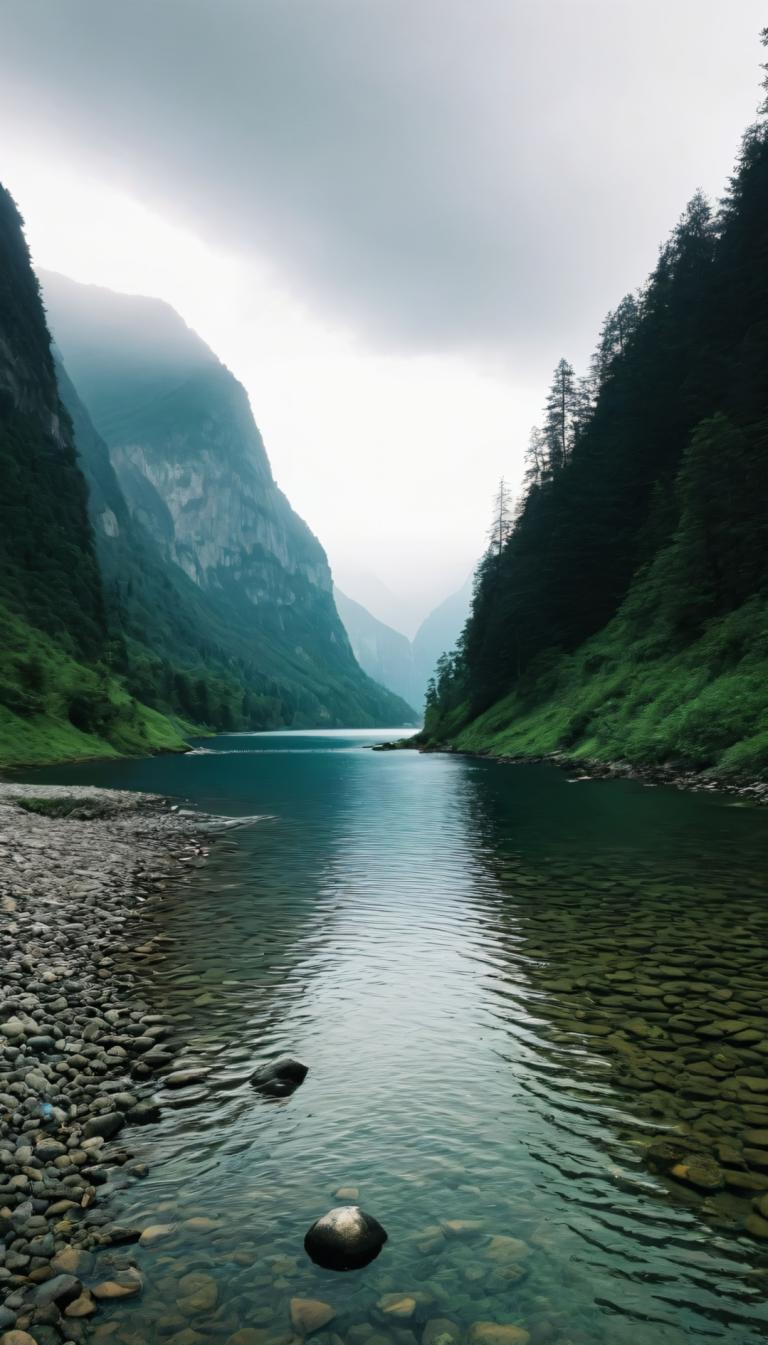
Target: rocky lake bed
[(79, 1051), (639, 987)]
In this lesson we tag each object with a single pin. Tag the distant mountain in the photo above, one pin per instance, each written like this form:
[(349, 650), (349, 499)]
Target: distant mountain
[(385, 654), (403, 665), (250, 580), (401, 611), (438, 634)]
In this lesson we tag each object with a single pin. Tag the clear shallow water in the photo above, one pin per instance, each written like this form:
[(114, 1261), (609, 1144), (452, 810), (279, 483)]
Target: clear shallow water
[(404, 925)]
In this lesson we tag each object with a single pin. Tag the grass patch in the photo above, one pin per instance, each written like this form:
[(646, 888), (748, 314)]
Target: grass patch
[(63, 807), (618, 697), (55, 708)]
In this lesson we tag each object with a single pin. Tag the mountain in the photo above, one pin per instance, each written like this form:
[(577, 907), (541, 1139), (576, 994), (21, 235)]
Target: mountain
[(57, 695), (404, 665), (626, 613), (438, 634), (382, 652), (250, 580), (400, 611)]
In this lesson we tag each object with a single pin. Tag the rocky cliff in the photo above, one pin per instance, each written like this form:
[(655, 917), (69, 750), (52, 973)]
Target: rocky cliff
[(193, 469), (58, 695)]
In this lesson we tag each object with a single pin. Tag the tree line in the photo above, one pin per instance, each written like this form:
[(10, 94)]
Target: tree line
[(648, 473)]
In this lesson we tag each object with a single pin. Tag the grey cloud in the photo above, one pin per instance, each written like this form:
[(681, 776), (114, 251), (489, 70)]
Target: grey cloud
[(437, 173)]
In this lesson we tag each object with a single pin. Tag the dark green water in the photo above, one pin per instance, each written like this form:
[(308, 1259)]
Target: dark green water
[(402, 923)]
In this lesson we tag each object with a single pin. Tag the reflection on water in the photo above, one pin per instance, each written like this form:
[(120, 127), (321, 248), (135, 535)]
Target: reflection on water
[(455, 949)]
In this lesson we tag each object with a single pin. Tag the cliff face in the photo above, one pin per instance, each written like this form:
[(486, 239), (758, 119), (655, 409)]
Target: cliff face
[(57, 696), (55, 586), (193, 469)]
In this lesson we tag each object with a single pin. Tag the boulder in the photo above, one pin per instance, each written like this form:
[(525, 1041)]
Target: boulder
[(345, 1238), (279, 1078)]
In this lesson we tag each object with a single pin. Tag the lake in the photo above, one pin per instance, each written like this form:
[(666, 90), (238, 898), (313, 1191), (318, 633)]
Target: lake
[(506, 986)]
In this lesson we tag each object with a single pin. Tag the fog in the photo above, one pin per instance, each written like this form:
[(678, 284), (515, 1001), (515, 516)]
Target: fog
[(390, 219)]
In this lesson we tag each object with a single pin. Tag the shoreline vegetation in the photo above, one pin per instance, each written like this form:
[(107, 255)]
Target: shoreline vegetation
[(677, 776), (81, 1052)]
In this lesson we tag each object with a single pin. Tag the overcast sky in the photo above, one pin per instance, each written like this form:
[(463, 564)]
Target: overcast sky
[(389, 217)]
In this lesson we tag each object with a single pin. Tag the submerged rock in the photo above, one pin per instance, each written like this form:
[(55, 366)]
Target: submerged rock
[(279, 1078), (497, 1333), (345, 1239), (309, 1314)]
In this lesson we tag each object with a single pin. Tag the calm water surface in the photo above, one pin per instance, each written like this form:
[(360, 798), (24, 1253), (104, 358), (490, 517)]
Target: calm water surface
[(392, 920)]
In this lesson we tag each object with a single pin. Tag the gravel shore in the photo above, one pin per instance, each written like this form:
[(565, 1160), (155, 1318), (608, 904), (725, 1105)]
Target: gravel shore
[(594, 768), (78, 1049)]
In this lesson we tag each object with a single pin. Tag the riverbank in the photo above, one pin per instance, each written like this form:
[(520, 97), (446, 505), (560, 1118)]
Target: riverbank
[(79, 1050), (746, 787)]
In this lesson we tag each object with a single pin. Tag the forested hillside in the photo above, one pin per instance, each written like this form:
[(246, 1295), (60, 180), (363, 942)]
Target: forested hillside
[(58, 696), (621, 612)]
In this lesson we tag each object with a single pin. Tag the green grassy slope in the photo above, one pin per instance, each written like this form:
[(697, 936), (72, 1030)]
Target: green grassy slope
[(619, 697), (54, 707)]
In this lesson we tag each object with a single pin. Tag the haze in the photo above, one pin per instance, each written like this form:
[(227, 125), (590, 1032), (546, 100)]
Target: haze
[(389, 219)]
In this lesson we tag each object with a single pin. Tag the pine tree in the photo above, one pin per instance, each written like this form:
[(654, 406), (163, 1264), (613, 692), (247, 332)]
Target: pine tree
[(501, 527), (535, 462), (613, 342), (561, 414)]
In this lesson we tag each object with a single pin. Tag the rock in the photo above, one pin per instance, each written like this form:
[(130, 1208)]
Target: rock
[(248, 1335), (397, 1305), (106, 1125), (13, 1028), (441, 1331), (121, 1235), (699, 1170), (200, 1224), (7, 1318), (309, 1314), (48, 1149), (61, 1289), (143, 1113), (184, 1078), (155, 1233), (757, 1226), (125, 1285), (17, 1338), (347, 1193), (83, 1306), (462, 1228), (344, 1239), (506, 1249), (187, 1337), (496, 1333), (199, 1294), (72, 1261), (279, 1078)]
